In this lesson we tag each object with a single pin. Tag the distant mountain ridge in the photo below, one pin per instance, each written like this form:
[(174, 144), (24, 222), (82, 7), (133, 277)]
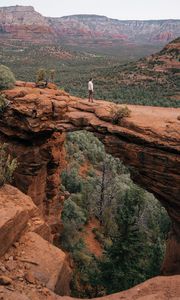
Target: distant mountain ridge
[(24, 23)]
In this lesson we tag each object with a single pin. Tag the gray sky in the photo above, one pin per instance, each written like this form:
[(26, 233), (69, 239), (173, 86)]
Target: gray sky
[(119, 9)]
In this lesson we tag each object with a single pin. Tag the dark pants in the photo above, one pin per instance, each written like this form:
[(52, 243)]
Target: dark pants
[(90, 96)]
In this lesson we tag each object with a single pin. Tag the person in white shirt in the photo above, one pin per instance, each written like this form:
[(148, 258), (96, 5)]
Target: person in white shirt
[(90, 90)]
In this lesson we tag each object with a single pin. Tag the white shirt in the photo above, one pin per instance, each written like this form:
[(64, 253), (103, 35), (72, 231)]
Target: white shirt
[(90, 86)]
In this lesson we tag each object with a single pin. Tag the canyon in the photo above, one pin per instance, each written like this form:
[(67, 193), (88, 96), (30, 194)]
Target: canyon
[(34, 125), (25, 24)]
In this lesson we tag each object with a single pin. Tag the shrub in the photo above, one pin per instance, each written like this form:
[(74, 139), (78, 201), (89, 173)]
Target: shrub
[(52, 75), (41, 75), (73, 213), (7, 165), (2, 103), (118, 113), (7, 79), (72, 181)]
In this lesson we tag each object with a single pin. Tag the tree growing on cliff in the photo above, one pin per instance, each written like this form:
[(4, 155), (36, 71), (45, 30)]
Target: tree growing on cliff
[(7, 165), (7, 79)]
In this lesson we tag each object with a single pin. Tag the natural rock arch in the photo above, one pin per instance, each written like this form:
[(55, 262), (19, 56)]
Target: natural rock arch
[(148, 141)]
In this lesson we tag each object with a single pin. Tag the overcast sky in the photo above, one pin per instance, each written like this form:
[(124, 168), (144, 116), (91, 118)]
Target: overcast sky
[(119, 9)]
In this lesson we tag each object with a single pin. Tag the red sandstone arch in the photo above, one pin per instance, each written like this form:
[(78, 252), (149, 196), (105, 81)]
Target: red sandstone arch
[(148, 141)]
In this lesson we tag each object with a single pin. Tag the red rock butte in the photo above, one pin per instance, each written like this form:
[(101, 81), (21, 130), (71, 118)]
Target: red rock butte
[(148, 141)]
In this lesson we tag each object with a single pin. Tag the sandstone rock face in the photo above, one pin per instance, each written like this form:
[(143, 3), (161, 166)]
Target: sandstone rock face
[(49, 263), (14, 215), (90, 28), (28, 260), (21, 15), (24, 23), (148, 141)]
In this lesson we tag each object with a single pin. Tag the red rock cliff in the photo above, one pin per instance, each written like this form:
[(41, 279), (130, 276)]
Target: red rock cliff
[(24, 23)]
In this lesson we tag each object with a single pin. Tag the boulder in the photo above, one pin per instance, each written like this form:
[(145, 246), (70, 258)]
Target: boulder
[(15, 211), (47, 263)]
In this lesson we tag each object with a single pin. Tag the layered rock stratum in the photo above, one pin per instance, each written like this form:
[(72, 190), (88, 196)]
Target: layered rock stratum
[(34, 126), (24, 23)]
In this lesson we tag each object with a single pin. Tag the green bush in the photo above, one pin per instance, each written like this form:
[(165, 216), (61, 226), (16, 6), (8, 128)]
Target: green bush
[(73, 213), (73, 218), (118, 113), (7, 79), (7, 165), (71, 180)]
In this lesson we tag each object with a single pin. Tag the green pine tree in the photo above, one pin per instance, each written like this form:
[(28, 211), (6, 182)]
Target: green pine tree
[(123, 266)]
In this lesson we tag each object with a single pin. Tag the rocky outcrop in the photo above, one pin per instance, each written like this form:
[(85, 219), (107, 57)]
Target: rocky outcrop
[(28, 259), (16, 210), (24, 23), (147, 141)]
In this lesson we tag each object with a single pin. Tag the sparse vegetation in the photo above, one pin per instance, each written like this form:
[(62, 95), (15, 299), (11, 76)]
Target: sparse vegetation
[(7, 79), (115, 78), (7, 165), (118, 113)]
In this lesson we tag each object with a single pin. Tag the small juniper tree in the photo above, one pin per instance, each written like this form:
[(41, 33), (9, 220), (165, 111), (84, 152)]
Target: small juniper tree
[(41, 75), (123, 266)]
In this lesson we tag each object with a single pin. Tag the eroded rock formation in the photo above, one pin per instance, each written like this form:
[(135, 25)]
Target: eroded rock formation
[(25, 24), (34, 125)]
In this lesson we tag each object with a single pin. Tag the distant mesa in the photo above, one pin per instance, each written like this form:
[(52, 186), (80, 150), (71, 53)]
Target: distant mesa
[(25, 24), (18, 8)]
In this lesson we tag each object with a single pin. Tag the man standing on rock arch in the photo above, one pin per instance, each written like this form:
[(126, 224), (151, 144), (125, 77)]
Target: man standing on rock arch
[(90, 90)]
